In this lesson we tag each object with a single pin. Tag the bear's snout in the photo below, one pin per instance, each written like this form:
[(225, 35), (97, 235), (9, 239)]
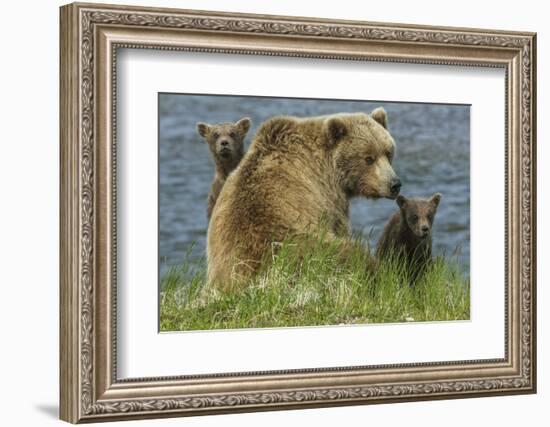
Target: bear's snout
[(395, 187), (224, 148)]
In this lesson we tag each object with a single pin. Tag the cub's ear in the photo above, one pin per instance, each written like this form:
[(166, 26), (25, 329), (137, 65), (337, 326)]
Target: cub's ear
[(401, 201), (243, 125), (203, 129), (380, 116), (335, 129), (435, 199)]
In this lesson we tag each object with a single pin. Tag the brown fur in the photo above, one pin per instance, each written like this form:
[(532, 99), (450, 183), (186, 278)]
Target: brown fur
[(226, 143), (408, 233), (297, 175)]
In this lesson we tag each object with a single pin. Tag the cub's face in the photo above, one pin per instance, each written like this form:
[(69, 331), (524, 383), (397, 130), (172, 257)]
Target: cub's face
[(419, 214), (363, 152), (225, 140)]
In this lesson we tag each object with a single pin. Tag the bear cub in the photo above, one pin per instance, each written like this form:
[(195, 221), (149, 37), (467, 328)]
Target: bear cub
[(408, 233), (226, 143)]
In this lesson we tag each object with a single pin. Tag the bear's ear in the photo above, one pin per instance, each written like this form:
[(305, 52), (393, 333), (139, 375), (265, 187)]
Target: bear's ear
[(380, 116), (435, 199), (335, 129), (203, 129), (401, 201), (243, 125)]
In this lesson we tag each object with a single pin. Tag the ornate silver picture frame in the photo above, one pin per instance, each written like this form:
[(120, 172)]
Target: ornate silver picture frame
[(91, 35)]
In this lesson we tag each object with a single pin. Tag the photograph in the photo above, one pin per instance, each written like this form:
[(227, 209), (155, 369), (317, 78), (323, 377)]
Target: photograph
[(291, 212)]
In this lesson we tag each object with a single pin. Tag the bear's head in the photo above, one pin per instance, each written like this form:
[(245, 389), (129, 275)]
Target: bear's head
[(419, 214), (363, 150), (225, 140)]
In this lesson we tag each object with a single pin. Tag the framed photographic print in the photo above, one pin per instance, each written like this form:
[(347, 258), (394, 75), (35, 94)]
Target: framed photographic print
[(267, 212)]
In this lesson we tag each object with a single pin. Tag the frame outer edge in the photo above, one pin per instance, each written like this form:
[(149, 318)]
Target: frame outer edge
[(77, 339), (69, 395), (290, 18), (534, 269)]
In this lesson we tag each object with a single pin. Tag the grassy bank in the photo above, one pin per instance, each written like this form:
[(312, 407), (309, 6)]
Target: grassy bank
[(316, 289)]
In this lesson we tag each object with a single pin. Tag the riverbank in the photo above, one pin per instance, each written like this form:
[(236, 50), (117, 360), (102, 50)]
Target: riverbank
[(315, 289)]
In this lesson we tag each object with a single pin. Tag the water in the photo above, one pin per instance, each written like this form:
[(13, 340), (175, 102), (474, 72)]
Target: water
[(433, 155)]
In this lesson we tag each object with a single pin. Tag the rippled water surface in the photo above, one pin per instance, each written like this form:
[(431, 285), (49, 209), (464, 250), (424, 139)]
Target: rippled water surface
[(433, 155)]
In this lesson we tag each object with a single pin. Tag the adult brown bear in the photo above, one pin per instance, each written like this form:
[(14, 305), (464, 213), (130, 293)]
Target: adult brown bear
[(298, 174)]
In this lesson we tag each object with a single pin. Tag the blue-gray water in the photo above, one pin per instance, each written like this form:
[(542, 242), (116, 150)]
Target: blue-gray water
[(433, 155)]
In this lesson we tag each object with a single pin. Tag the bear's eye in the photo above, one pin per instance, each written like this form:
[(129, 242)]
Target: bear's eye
[(370, 160), (216, 135), (413, 218), (232, 134)]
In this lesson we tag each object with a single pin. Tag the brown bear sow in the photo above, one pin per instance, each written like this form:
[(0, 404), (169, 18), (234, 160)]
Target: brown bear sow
[(298, 174), (408, 233), (226, 143)]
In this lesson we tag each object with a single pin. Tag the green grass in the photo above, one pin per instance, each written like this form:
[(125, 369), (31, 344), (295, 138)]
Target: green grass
[(314, 289)]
